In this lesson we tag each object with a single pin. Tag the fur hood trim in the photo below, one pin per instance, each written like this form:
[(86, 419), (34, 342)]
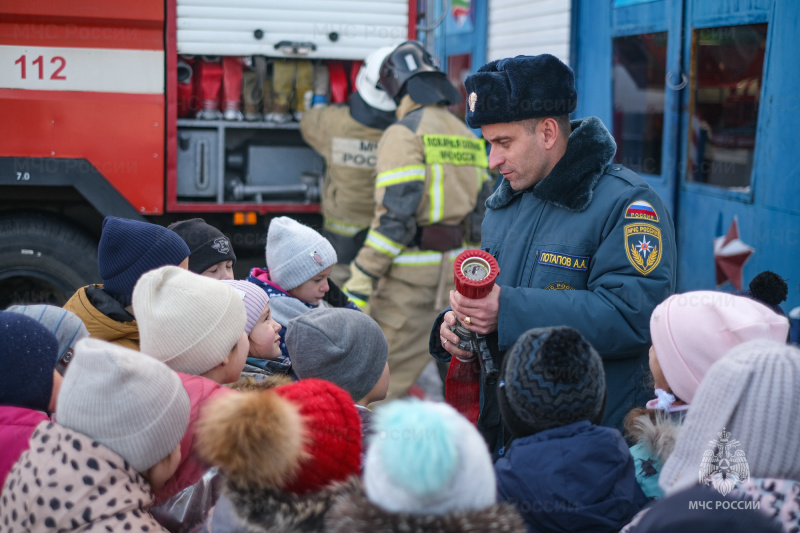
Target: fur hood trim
[(659, 435), (284, 512), (256, 438), (354, 513), (249, 384), (570, 185)]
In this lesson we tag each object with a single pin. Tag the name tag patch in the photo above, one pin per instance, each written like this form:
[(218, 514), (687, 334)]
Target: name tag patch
[(557, 259)]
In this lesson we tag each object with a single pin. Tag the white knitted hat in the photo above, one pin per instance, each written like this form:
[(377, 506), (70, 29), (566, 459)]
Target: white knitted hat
[(752, 393), (188, 321), (425, 458), (132, 404), (296, 253)]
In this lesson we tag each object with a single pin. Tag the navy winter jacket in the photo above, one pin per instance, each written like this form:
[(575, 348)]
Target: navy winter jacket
[(592, 247), (578, 477)]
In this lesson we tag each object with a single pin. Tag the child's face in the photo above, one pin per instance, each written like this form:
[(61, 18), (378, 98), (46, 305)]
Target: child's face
[(658, 375), (57, 379), (265, 341), (158, 474), (313, 290), (222, 270), (236, 360)]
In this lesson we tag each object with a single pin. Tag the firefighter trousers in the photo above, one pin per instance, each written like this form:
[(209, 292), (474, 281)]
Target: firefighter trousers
[(405, 304)]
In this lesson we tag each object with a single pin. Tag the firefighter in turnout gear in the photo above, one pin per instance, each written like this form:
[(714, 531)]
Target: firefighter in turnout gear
[(347, 137), (430, 190)]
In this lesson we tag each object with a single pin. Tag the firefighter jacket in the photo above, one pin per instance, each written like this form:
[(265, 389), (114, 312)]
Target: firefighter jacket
[(431, 170), (591, 246), (349, 149)]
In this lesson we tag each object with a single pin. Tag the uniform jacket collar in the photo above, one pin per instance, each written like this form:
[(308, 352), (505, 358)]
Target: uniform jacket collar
[(407, 105), (571, 183)]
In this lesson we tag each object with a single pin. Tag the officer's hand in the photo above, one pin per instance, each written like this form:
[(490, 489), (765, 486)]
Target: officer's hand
[(479, 315), (449, 339)]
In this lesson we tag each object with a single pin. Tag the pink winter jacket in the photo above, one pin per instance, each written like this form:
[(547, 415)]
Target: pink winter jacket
[(191, 468), (16, 426)]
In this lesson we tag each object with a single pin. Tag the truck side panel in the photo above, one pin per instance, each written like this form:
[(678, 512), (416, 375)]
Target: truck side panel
[(85, 80)]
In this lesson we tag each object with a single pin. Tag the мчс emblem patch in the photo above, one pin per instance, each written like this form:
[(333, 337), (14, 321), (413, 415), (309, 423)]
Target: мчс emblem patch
[(641, 210), (559, 286), (643, 246)]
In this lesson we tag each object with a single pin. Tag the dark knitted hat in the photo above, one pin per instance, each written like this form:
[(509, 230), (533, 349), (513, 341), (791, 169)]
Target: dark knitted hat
[(519, 88), (551, 377), (28, 354), (207, 245), (129, 248), (768, 288)]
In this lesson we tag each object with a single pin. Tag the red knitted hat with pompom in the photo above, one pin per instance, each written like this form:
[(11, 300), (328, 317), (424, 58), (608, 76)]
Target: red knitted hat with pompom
[(332, 425)]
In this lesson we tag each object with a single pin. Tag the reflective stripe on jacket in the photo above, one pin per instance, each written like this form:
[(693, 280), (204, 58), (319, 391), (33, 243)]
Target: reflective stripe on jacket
[(431, 169)]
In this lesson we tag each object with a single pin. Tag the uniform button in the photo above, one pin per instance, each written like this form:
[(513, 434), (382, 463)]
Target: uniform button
[(616, 167)]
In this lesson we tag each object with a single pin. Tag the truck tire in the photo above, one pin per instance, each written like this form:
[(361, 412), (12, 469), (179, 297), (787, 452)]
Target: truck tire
[(43, 259)]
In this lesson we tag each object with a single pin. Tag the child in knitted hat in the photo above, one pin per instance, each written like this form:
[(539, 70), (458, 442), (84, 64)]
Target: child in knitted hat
[(689, 333), (427, 469), (120, 417), (737, 440), (192, 323), (196, 326), (299, 261), (264, 357), (29, 384), (282, 451), (345, 348), (65, 325), (127, 249), (563, 472), (210, 251), (741, 436)]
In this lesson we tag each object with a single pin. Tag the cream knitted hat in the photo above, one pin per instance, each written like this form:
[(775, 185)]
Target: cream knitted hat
[(188, 321), (296, 253), (751, 395), (132, 404)]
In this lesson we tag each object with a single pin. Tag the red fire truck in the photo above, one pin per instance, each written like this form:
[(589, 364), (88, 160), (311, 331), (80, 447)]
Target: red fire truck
[(89, 95)]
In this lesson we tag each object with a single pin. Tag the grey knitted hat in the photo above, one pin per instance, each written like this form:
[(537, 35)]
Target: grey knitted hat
[(65, 325), (749, 396), (296, 253), (186, 320), (343, 346), (128, 402), (551, 377)]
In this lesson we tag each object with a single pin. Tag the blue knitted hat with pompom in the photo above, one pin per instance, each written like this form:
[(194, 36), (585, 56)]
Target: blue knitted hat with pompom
[(425, 458)]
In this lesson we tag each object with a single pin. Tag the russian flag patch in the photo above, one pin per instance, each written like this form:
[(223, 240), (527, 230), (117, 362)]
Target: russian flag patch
[(641, 210)]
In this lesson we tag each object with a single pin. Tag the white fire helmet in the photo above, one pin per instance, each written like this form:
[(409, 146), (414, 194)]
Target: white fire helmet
[(367, 81)]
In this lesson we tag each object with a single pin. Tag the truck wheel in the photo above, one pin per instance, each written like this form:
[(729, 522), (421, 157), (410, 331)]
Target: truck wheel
[(43, 259)]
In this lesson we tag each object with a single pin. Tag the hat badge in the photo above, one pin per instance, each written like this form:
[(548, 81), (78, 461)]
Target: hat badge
[(316, 257), (473, 98)]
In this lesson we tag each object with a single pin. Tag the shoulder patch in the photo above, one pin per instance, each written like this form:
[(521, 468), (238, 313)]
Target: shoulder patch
[(643, 246), (557, 259), (641, 210), (559, 286)]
